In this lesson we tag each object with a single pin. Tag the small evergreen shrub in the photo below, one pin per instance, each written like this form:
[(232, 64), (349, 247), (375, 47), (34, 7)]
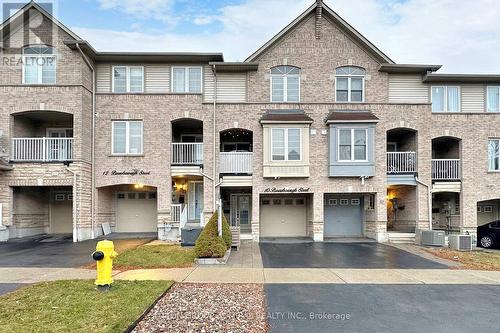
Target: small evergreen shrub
[(209, 244)]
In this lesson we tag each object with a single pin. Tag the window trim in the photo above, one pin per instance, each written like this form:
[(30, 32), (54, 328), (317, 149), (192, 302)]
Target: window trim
[(127, 79), (286, 144), (127, 138), (349, 85), (285, 84), (488, 97), (488, 152), (352, 129), (445, 102), (186, 80), (40, 68)]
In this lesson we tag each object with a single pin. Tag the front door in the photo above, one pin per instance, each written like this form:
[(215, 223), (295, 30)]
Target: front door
[(195, 200), (240, 211), (61, 212)]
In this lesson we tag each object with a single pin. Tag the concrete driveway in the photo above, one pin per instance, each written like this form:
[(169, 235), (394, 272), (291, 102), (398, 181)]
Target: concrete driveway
[(341, 255), (382, 308), (60, 251)]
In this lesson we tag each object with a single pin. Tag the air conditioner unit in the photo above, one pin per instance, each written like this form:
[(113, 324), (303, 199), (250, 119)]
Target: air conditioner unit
[(460, 242), (432, 237)]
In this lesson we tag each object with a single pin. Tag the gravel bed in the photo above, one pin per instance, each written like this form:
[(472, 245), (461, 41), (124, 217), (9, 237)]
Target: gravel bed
[(208, 307)]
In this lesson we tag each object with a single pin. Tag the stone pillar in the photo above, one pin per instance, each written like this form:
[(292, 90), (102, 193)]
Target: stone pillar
[(255, 214), (318, 216)]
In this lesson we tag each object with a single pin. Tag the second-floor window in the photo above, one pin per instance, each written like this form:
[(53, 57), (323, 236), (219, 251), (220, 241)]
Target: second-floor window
[(127, 137), (186, 79), (445, 99), (350, 84), (493, 103), (285, 84), (285, 144), (494, 154), (39, 65), (128, 79), (352, 144)]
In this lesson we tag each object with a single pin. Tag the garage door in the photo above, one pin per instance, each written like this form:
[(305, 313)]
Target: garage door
[(136, 212), (61, 213), (343, 216), (283, 217)]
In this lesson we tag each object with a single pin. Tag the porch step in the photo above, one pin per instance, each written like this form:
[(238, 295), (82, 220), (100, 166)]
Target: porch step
[(235, 233), (401, 238), (189, 235)]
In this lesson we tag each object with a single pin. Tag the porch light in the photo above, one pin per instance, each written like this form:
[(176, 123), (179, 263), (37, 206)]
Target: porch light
[(138, 186)]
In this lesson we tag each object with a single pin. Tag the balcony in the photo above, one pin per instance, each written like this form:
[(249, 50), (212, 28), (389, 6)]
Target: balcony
[(402, 162), (41, 149), (446, 169), (236, 163), (187, 153)]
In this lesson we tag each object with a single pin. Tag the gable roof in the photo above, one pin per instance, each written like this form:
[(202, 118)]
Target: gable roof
[(17, 18), (339, 21)]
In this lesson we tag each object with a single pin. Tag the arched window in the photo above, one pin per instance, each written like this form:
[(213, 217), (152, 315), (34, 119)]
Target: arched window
[(350, 84), (39, 64), (285, 84)]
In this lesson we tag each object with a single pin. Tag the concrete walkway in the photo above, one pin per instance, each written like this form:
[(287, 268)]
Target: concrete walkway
[(227, 274)]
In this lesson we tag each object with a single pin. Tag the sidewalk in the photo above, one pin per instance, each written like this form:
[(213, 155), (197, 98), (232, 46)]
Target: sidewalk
[(211, 274)]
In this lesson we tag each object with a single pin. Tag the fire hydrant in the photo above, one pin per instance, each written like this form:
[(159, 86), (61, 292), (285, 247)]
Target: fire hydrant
[(104, 255)]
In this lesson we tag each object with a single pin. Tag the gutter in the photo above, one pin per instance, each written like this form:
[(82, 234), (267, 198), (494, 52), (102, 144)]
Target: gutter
[(214, 174), (429, 194), (92, 158)]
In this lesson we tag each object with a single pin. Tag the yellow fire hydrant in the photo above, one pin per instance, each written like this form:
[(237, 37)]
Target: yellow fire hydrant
[(104, 255)]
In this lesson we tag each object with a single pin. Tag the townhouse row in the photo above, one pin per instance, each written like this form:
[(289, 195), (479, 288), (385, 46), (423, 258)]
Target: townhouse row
[(318, 134)]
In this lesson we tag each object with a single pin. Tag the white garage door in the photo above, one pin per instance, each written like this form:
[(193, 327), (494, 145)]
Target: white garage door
[(136, 212), (283, 217)]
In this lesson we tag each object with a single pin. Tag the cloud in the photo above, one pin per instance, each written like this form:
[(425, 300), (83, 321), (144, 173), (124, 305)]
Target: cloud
[(160, 10), (462, 35)]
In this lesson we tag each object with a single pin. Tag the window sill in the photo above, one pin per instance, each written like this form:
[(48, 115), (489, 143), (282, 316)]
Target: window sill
[(126, 155)]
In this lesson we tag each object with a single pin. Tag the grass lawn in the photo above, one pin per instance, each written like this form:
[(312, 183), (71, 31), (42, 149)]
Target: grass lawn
[(481, 260), (155, 256), (75, 306)]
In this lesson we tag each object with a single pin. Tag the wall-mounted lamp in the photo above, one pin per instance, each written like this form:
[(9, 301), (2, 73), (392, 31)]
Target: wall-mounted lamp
[(138, 186)]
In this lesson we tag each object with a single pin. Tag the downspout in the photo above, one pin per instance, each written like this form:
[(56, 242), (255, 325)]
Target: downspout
[(214, 174), (75, 198), (92, 154), (429, 195)]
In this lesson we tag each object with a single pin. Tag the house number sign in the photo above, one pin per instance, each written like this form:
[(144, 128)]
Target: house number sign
[(286, 190), (133, 172)]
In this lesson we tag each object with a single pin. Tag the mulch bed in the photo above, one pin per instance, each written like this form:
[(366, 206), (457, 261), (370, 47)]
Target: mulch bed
[(475, 260), (208, 307)]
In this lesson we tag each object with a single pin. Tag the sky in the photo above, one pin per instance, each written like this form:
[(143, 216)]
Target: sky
[(462, 35)]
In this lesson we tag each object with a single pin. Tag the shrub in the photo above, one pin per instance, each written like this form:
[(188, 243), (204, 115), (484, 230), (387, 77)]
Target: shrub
[(209, 244)]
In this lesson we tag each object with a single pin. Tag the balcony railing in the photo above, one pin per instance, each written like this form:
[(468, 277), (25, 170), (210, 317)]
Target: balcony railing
[(236, 162), (187, 153), (445, 169), (401, 162), (41, 149)]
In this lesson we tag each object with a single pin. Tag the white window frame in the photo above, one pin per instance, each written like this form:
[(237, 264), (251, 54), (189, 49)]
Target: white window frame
[(498, 141), (352, 144), (488, 209), (349, 85), (488, 98), (127, 79), (445, 102), (186, 80), (285, 85), (286, 143), (127, 137), (344, 202), (40, 68)]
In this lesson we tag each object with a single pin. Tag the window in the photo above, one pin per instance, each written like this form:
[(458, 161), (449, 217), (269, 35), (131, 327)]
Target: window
[(371, 201), (344, 202), (128, 79), (127, 137), (59, 197), (131, 196), (493, 99), (288, 202), (265, 202), (350, 84), (39, 65), (445, 99), (285, 144), (479, 210), (186, 80), (488, 209), (355, 202), (493, 155), (332, 202), (276, 202), (352, 144), (299, 202), (285, 84), (121, 195)]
